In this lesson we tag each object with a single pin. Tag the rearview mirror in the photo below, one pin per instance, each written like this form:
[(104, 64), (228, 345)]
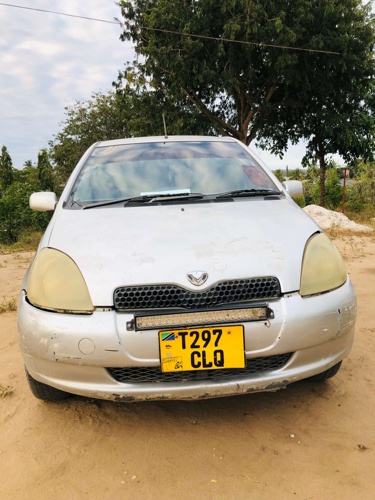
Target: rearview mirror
[(43, 201), (293, 188)]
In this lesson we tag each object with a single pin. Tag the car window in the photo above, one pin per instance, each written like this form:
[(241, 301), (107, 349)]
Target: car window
[(129, 170)]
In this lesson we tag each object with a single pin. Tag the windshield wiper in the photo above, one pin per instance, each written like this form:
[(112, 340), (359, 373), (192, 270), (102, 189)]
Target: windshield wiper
[(148, 198), (106, 203), (152, 198), (248, 192)]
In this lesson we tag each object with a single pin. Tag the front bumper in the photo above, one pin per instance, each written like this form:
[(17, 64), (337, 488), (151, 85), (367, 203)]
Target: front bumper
[(73, 352)]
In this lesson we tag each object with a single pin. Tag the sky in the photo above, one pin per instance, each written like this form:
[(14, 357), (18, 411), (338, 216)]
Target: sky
[(50, 61)]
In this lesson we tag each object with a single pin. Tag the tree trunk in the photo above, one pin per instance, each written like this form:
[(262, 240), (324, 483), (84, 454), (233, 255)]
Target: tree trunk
[(322, 181), (320, 156)]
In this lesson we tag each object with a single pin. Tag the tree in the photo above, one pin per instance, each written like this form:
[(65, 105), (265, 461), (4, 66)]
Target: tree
[(344, 127), (335, 109), (6, 168), (263, 87), (233, 84), (45, 172)]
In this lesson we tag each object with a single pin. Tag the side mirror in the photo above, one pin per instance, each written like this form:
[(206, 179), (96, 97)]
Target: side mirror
[(293, 188), (43, 201)]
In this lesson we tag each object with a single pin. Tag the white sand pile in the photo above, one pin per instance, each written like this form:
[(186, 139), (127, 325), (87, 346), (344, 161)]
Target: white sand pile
[(328, 219)]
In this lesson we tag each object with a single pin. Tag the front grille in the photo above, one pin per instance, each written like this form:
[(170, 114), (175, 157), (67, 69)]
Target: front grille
[(152, 374), (130, 298)]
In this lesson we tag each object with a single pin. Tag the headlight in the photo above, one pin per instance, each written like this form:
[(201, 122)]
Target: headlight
[(56, 283), (322, 267)]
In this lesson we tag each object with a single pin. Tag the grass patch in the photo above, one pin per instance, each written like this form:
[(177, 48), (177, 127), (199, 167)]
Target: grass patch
[(28, 242), (366, 217), (8, 305), (5, 391), (358, 218), (339, 232)]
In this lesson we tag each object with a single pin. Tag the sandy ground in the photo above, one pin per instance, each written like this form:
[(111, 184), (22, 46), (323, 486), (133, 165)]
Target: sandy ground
[(307, 441)]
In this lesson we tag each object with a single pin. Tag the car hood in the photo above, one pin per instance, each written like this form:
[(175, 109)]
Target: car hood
[(115, 246)]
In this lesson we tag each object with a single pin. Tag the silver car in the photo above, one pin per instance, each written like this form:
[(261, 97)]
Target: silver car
[(180, 268)]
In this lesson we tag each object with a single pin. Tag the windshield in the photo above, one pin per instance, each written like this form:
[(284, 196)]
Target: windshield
[(130, 170)]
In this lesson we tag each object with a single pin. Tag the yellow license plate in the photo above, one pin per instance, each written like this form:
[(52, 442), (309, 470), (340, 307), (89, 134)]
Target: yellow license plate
[(210, 348)]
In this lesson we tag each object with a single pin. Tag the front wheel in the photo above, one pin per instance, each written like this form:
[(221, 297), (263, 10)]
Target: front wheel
[(45, 392), (331, 372)]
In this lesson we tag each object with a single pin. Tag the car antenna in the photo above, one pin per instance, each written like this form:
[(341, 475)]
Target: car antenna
[(165, 127)]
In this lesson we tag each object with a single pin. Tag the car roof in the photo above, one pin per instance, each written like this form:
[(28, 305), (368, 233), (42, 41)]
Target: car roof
[(171, 138)]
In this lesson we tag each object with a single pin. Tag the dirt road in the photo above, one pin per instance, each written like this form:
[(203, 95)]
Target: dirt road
[(307, 441)]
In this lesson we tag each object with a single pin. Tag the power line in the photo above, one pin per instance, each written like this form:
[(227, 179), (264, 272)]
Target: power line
[(244, 42), (60, 13), (192, 35)]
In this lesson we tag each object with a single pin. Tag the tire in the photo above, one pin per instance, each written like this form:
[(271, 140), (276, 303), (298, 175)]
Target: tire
[(45, 392), (331, 372)]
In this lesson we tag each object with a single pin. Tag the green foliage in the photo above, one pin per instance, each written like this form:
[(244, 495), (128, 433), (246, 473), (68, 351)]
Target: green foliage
[(279, 174), (361, 196), (6, 168), (16, 217), (45, 172), (300, 200), (335, 110), (333, 189), (238, 84), (297, 174), (234, 84)]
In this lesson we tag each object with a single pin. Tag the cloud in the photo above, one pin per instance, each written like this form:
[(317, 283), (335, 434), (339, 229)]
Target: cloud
[(50, 61)]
